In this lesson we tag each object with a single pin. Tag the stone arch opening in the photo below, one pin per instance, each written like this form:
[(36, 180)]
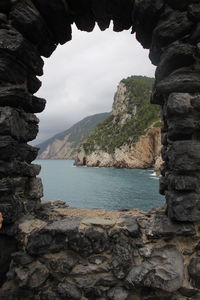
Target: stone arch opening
[(31, 29)]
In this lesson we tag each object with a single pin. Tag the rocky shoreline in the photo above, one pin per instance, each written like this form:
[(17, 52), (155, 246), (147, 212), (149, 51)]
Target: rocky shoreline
[(146, 153)]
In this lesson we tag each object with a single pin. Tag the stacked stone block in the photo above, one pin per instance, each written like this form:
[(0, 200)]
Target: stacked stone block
[(30, 29)]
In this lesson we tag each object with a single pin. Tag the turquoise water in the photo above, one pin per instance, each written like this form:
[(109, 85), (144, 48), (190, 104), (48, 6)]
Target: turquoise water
[(106, 188)]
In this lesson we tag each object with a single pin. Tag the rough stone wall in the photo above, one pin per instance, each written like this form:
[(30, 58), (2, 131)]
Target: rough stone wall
[(31, 29), (103, 255)]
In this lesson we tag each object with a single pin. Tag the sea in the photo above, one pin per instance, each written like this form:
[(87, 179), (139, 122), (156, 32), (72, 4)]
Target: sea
[(105, 188)]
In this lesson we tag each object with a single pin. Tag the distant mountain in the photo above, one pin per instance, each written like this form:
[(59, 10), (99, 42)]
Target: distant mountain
[(130, 136), (64, 145)]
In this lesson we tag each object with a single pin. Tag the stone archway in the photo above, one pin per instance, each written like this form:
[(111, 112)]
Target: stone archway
[(170, 29)]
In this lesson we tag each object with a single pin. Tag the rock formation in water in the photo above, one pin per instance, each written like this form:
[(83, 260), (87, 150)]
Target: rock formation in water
[(64, 145), (130, 137)]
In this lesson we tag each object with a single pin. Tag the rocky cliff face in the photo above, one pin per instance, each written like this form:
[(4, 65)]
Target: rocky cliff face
[(143, 154), (64, 145), (129, 138)]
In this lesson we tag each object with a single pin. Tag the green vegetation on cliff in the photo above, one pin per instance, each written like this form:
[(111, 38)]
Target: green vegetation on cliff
[(127, 125)]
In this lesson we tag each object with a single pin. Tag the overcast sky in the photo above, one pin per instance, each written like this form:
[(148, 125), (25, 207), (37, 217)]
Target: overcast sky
[(81, 77)]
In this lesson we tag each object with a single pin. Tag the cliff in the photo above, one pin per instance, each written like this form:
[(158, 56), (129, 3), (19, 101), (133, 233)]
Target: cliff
[(130, 136), (64, 145)]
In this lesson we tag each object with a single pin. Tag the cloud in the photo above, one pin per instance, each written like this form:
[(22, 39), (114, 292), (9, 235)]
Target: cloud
[(81, 77)]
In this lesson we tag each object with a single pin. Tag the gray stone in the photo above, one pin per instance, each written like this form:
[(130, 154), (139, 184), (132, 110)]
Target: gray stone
[(163, 270), (69, 291), (162, 226), (184, 156), (22, 258), (100, 222), (42, 242), (183, 207), (107, 280), (183, 129), (173, 25), (33, 275), (195, 102), (35, 188), (186, 292), (10, 148), (17, 168), (65, 226), (6, 208), (196, 297), (175, 56), (118, 293), (14, 43), (179, 104), (131, 226), (89, 241), (194, 272), (61, 263), (122, 259), (181, 82), (20, 125), (183, 183), (12, 70), (97, 259), (27, 20), (17, 96), (33, 84)]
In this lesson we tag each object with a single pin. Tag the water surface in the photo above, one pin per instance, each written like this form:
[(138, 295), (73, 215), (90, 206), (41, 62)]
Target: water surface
[(107, 188)]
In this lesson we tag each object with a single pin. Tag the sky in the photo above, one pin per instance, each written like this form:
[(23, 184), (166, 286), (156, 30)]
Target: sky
[(81, 77)]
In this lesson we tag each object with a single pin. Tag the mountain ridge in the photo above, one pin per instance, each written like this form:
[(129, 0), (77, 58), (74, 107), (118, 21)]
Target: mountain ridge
[(70, 138)]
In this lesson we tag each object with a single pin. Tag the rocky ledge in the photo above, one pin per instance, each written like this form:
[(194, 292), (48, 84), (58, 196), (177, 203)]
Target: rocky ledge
[(68, 253)]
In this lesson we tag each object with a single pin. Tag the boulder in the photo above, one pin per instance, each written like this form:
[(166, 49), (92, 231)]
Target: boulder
[(183, 207), (184, 156), (163, 270), (180, 82), (32, 276), (176, 55), (179, 104)]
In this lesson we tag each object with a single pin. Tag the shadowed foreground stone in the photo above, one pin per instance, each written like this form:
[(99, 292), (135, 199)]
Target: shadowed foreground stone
[(164, 268)]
